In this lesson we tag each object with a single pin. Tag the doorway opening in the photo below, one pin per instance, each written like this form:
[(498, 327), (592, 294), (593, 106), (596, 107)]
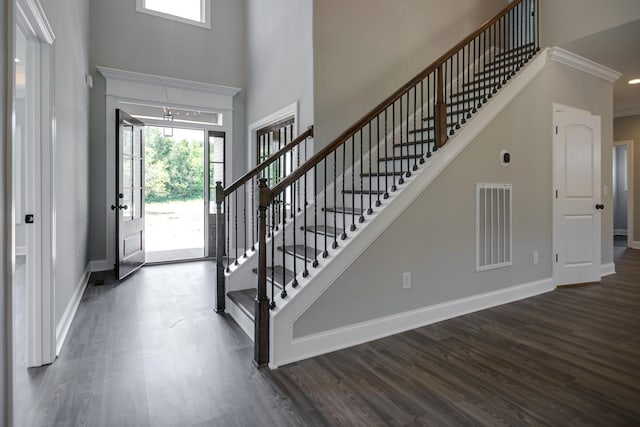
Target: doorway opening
[(622, 183), (175, 194)]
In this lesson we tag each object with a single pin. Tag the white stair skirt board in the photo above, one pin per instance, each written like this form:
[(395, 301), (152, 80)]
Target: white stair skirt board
[(240, 318), (310, 288), (101, 265), (607, 269), (70, 312), (337, 339), (635, 245)]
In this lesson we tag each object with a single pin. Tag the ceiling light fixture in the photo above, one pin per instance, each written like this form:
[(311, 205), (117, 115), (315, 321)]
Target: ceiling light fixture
[(634, 82), (168, 117), (17, 60)]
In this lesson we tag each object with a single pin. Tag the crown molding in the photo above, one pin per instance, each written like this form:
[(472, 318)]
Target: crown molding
[(170, 82), (583, 64)]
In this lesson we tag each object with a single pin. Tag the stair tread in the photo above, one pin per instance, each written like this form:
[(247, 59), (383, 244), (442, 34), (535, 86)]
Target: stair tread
[(245, 299), (495, 77), (405, 157), (346, 210), (350, 191), (519, 49), (324, 229), (398, 173), (298, 250), (277, 273)]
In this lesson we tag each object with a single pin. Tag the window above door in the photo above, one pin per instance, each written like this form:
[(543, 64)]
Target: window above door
[(194, 12)]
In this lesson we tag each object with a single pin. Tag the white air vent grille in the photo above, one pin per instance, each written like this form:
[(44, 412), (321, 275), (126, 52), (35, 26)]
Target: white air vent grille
[(493, 226)]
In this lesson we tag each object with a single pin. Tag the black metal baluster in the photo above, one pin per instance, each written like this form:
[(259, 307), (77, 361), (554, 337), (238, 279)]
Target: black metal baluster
[(370, 211), (283, 294), (254, 234), (273, 255), (344, 203), (422, 122), (305, 271), (386, 151), (406, 132), (244, 216), (432, 121), (228, 236), (335, 198), (401, 179), (326, 198), (362, 181), (393, 145), (235, 216), (378, 202), (315, 216), (294, 204), (353, 183)]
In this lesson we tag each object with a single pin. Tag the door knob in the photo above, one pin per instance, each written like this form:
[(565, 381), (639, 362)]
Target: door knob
[(121, 207), (599, 206)]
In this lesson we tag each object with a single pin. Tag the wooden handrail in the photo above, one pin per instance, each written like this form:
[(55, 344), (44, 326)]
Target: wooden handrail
[(263, 165), (380, 108)]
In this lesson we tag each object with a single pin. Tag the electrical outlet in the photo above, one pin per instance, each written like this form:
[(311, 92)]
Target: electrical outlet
[(406, 280), (535, 257)]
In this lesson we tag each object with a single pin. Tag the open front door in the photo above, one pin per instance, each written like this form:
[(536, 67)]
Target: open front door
[(577, 204), (129, 201)]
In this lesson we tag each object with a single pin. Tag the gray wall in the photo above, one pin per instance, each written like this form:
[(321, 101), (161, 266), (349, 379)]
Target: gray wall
[(125, 39), (366, 49), (434, 238), (5, 222), (566, 20), (625, 129), (280, 58), (620, 204), (70, 22)]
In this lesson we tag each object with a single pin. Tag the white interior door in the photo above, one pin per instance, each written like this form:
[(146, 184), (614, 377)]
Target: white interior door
[(577, 203)]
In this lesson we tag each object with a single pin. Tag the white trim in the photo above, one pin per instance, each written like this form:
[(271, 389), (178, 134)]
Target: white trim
[(115, 76), (72, 308), (21, 250), (240, 317), (302, 297), (561, 108), (126, 87), (340, 338), (635, 245), (32, 17), (626, 112), (578, 62), (205, 11), (607, 269), (630, 190)]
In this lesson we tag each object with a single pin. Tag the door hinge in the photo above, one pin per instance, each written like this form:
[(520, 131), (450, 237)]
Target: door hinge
[(556, 257)]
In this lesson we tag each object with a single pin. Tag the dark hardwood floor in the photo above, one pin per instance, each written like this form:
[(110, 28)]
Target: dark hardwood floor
[(150, 351)]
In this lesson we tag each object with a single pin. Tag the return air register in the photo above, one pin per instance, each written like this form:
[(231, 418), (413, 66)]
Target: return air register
[(493, 226)]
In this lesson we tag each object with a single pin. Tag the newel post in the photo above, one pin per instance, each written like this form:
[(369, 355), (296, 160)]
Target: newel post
[(220, 279), (261, 335), (441, 111)]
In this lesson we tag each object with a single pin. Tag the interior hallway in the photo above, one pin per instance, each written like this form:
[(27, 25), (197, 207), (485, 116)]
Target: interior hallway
[(150, 351)]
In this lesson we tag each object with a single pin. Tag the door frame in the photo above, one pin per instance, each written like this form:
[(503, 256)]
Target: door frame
[(127, 87), (631, 243), (560, 108), (41, 325)]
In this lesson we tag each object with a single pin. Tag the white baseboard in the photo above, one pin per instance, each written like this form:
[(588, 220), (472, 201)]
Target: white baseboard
[(21, 250), (337, 339), (620, 231), (607, 269), (72, 307), (635, 245), (100, 265)]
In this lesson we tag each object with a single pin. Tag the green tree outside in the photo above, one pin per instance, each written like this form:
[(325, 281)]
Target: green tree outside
[(174, 170)]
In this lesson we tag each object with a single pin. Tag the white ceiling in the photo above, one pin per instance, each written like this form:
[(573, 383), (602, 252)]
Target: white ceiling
[(617, 48)]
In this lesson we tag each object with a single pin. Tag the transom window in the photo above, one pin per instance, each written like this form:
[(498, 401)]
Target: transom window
[(194, 12)]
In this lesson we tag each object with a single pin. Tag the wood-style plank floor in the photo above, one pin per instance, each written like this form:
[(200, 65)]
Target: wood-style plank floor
[(150, 351)]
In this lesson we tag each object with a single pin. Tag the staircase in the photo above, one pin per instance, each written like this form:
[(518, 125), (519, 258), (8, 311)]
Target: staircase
[(310, 214)]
